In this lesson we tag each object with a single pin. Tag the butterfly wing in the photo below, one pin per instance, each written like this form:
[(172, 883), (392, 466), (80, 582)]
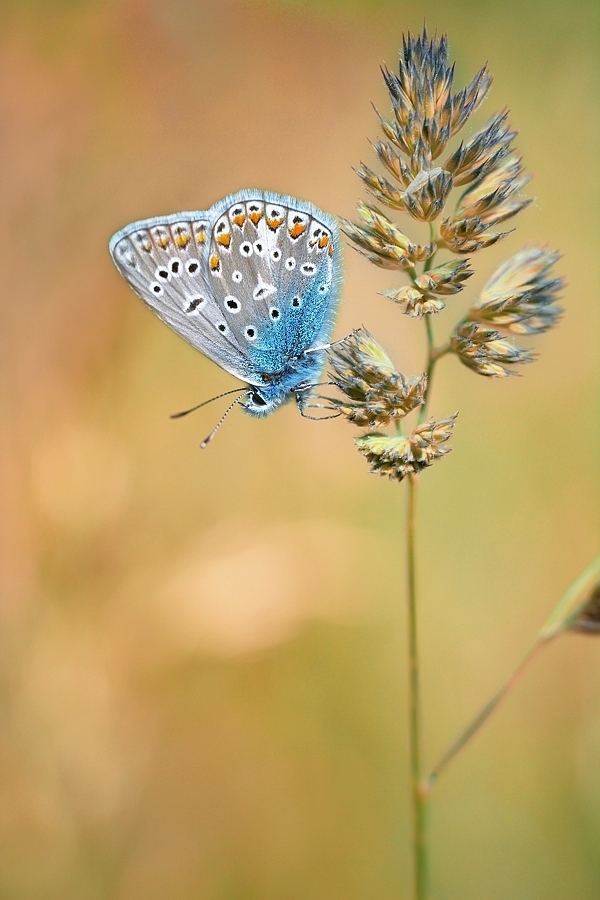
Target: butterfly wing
[(274, 262), (253, 282), (165, 261)]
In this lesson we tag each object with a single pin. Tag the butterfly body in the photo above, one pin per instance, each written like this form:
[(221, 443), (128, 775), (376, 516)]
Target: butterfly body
[(253, 282)]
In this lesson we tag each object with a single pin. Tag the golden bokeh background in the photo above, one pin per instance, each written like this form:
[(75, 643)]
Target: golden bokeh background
[(203, 653)]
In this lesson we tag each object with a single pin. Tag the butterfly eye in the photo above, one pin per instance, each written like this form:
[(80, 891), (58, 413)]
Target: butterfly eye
[(162, 273), (274, 313), (258, 400), (276, 254), (192, 266), (175, 266), (258, 248), (246, 249), (323, 288), (157, 289), (222, 327), (233, 304), (296, 302), (250, 333), (308, 269), (290, 263), (236, 276)]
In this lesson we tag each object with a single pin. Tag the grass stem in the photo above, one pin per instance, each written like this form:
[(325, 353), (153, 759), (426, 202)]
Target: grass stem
[(419, 791), (482, 716)]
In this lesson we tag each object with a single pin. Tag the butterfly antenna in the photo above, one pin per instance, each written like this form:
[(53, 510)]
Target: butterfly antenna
[(186, 412), (208, 439)]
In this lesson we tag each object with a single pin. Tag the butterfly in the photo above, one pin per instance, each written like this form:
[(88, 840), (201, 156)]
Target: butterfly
[(253, 283)]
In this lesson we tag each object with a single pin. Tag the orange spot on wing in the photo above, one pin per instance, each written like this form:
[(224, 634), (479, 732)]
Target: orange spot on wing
[(323, 241), (162, 241), (255, 217), (239, 220), (214, 263), (296, 230), (331, 249), (182, 238), (224, 239), (274, 223), (201, 235)]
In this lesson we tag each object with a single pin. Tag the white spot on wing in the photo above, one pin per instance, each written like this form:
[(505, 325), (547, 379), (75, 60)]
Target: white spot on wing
[(263, 290)]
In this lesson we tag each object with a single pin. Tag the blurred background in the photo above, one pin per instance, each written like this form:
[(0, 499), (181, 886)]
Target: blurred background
[(203, 653)]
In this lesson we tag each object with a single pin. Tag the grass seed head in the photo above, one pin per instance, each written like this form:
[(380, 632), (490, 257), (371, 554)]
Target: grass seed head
[(475, 158), (381, 241), (445, 279), (467, 235), (496, 197), (521, 294), (426, 195), (426, 111), (426, 114), (375, 393), (397, 456), (415, 302), (485, 351)]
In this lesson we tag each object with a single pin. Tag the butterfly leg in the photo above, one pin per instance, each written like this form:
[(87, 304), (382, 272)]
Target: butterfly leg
[(325, 346), (305, 415), (303, 405)]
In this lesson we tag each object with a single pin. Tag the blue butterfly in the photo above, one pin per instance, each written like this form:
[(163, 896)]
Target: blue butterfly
[(253, 283)]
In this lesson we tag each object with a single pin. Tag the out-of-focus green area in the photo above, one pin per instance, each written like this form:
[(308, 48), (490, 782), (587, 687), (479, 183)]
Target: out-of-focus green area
[(203, 653)]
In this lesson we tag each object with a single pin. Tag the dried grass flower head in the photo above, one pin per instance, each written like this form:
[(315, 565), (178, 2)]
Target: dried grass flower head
[(425, 294), (427, 114), (486, 352), (519, 298), (521, 294), (464, 194), (375, 393), (398, 455)]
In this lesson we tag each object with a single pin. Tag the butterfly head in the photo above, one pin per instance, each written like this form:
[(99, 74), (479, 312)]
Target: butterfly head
[(262, 401)]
